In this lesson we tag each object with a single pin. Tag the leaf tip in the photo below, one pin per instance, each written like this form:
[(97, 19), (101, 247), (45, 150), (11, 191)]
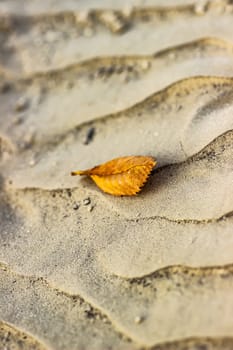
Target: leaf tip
[(74, 173)]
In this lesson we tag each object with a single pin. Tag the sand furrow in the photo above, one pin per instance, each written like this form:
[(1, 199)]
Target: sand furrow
[(14, 338), (184, 221), (92, 313), (51, 169), (225, 343), (68, 192), (33, 7), (74, 95), (70, 253), (34, 300), (176, 237), (45, 40), (69, 94), (179, 285), (166, 244), (213, 47), (196, 273)]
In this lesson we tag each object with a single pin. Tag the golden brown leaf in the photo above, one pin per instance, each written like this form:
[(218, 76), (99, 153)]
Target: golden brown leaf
[(123, 176)]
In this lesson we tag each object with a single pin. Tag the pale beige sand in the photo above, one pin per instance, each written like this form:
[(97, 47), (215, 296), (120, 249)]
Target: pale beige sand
[(35, 6), (48, 40), (80, 269)]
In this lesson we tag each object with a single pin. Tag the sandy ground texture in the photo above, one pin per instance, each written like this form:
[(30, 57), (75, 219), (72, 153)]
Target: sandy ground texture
[(82, 82)]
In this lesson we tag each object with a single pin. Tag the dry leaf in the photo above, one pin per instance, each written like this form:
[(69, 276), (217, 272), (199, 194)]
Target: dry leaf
[(121, 176)]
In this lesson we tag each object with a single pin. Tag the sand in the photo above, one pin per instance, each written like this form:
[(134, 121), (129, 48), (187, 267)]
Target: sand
[(80, 269)]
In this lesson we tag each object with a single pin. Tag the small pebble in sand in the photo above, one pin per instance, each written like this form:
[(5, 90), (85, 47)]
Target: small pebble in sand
[(105, 320), (115, 22), (171, 55), (88, 308), (200, 8), (138, 319), (127, 11), (17, 120), (28, 138), (76, 206), (5, 87), (32, 162), (145, 65), (87, 201), (82, 17), (21, 104), (89, 135), (90, 208)]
